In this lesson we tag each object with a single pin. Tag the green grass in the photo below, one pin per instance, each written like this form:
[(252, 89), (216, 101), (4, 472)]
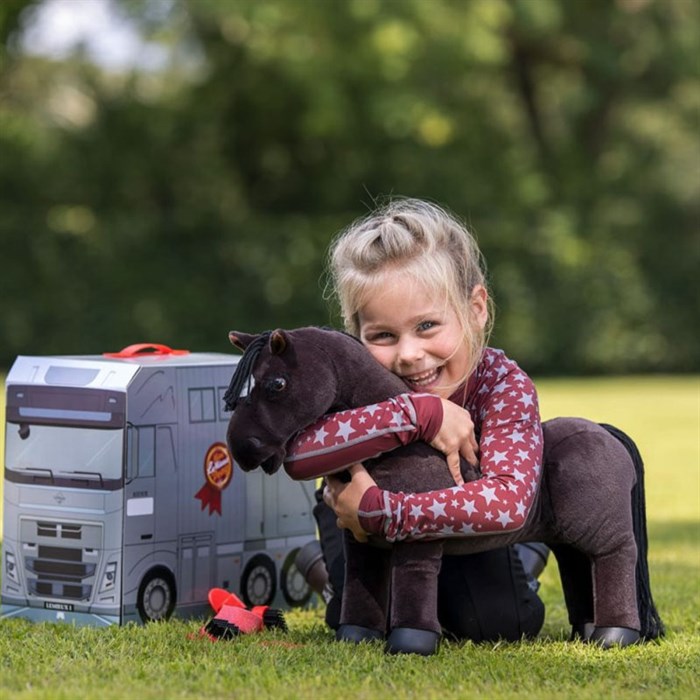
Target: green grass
[(170, 661)]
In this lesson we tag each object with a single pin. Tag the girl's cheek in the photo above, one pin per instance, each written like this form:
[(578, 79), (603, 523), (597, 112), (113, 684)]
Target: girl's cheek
[(381, 355)]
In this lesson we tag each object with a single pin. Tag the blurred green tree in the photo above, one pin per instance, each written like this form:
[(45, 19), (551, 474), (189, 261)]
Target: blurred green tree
[(177, 203)]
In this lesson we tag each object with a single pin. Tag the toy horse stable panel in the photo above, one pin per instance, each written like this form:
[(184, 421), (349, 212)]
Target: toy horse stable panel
[(589, 506), (121, 500)]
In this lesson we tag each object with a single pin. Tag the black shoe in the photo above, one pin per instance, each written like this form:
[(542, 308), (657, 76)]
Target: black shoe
[(608, 637), (405, 640), (357, 634)]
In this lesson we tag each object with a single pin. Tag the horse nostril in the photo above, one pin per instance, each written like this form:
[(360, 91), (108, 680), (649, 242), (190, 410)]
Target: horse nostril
[(253, 443)]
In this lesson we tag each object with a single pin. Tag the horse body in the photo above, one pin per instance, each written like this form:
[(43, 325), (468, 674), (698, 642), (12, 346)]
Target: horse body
[(582, 508)]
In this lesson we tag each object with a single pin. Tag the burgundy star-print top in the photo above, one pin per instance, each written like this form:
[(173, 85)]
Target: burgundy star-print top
[(502, 402)]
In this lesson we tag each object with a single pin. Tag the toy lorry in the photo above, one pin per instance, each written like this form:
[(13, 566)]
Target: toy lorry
[(122, 502)]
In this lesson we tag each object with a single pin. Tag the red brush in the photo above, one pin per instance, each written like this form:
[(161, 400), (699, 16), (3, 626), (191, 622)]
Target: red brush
[(233, 618)]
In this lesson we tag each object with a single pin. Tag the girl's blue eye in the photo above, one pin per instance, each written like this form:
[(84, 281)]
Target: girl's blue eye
[(379, 337), (426, 325)]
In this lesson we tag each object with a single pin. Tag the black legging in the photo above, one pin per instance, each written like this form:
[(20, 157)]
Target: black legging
[(481, 597)]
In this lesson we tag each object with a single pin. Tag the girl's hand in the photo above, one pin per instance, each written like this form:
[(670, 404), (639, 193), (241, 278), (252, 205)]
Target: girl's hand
[(345, 499), (456, 437)]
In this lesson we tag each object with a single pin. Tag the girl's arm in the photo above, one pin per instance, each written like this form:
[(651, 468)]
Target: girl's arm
[(511, 459), (341, 439)]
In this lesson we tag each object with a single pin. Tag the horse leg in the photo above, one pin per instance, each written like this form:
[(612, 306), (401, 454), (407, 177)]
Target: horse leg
[(590, 477), (614, 591), (577, 584), (364, 608), (414, 587)]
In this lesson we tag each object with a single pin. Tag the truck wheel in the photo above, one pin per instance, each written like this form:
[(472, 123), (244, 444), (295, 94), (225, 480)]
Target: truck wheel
[(258, 585), (156, 599), (295, 589)]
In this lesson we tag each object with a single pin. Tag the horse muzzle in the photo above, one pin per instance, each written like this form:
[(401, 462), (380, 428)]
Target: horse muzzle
[(251, 453)]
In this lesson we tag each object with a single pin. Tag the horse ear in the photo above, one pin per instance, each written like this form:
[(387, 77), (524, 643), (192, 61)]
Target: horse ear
[(241, 340), (278, 342)]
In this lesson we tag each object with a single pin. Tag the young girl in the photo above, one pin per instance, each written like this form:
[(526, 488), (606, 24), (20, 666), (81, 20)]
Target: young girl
[(411, 285)]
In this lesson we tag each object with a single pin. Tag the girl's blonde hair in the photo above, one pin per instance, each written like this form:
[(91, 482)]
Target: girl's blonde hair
[(423, 241)]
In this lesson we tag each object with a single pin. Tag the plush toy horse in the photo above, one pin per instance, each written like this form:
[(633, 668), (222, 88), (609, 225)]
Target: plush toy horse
[(589, 507)]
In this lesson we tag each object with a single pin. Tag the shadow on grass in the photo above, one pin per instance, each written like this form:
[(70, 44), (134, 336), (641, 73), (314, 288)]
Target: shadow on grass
[(669, 534)]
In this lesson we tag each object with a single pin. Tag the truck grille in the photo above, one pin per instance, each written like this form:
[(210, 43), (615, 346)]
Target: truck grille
[(56, 571), (60, 573), (62, 530)]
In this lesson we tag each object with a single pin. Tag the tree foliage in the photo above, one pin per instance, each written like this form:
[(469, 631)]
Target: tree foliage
[(175, 204)]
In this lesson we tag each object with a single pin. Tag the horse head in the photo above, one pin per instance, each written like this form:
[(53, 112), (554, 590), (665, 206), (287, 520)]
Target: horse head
[(294, 383)]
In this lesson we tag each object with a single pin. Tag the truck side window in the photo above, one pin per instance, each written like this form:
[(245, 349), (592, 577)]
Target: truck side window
[(165, 449), (131, 456), (141, 449), (202, 405), (147, 451)]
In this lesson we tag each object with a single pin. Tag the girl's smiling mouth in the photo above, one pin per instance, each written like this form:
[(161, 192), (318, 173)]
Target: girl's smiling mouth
[(422, 380)]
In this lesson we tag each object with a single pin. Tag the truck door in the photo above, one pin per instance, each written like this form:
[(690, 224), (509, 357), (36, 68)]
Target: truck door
[(139, 492)]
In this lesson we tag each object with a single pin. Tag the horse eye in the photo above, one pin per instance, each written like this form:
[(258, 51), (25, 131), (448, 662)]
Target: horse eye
[(277, 384)]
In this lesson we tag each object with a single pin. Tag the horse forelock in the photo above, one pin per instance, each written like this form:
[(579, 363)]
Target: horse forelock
[(244, 370)]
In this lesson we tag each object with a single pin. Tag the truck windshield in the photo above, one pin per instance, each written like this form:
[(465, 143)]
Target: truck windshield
[(87, 456)]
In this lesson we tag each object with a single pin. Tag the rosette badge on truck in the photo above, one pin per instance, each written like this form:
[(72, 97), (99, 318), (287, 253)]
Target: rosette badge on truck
[(121, 500)]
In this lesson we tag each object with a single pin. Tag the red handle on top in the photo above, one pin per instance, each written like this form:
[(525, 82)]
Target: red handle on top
[(150, 349)]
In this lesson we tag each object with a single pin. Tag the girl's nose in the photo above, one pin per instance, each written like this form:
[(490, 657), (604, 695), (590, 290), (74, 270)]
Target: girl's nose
[(409, 351)]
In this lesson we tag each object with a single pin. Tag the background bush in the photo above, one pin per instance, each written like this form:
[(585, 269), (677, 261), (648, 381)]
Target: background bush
[(174, 204)]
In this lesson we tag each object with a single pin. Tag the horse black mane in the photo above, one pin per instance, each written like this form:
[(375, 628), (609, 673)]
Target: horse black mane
[(241, 376)]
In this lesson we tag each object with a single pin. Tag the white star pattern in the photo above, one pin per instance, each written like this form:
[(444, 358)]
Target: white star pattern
[(416, 511), (469, 507), (518, 475), (504, 517), (437, 509), (345, 430), (320, 435), (525, 399), (516, 436), (488, 494), (499, 457)]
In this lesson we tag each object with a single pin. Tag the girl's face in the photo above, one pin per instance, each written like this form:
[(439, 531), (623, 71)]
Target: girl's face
[(418, 337)]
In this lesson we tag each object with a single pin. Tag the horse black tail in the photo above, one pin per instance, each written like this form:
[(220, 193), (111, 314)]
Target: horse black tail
[(652, 626)]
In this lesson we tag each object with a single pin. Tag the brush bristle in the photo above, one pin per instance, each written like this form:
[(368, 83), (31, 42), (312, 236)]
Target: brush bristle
[(274, 619), (221, 629)]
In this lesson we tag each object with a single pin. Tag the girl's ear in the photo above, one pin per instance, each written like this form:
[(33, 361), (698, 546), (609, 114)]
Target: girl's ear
[(478, 303)]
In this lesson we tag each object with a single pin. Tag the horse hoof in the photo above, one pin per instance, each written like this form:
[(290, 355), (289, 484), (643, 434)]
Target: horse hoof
[(406, 640), (608, 637), (357, 634), (582, 631)]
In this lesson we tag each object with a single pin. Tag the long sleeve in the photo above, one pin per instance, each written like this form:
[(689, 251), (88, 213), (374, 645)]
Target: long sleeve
[(341, 439), (503, 403)]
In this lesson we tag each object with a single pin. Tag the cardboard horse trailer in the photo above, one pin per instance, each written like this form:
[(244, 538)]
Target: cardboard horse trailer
[(122, 502)]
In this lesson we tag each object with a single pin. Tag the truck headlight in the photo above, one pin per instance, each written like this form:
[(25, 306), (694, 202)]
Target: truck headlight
[(11, 567), (109, 578)]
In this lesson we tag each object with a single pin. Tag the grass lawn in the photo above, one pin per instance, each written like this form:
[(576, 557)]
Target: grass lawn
[(168, 661)]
